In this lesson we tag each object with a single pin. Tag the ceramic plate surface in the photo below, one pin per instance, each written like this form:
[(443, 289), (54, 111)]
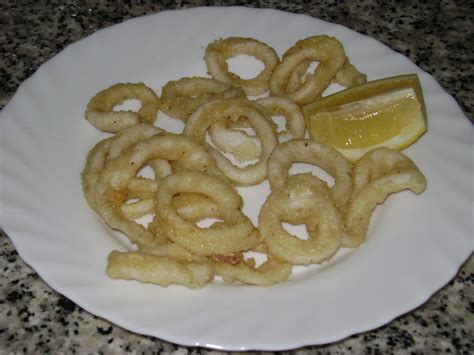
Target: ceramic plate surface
[(415, 244)]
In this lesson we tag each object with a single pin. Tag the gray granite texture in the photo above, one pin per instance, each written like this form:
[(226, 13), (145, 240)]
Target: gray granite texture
[(436, 35)]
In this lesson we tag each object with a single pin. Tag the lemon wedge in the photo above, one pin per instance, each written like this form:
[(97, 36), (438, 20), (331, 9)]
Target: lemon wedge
[(389, 112)]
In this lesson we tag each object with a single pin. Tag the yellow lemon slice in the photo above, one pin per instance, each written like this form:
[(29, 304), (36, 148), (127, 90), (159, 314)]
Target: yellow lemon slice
[(389, 112)]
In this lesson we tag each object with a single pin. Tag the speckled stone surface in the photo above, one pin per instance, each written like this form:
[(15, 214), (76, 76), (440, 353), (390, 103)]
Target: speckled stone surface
[(434, 34)]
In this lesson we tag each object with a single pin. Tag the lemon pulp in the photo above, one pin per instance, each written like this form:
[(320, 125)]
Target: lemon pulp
[(388, 112)]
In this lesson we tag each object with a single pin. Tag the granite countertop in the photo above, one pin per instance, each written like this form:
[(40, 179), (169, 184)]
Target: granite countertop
[(433, 34)]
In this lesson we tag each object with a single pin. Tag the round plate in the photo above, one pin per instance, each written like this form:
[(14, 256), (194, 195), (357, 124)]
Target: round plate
[(415, 244)]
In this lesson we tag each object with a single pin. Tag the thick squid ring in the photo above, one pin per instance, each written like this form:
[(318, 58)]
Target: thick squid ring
[(160, 270), (245, 147), (236, 232), (311, 152), (303, 200), (281, 106), (379, 173), (139, 187), (192, 207), (298, 75), (90, 176), (330, 54), (100, 109), (130, 136), (218, 110), (109, 149), (347, 76), (112, 189), (218, 52), (180, 98)]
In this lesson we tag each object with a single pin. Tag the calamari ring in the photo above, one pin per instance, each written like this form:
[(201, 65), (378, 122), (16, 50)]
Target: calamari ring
[(311, 152), (192, 207), (160, 270), (377, 174), (130, 136), (298, 75), (303, 200), (112, 188), (347, 76), (108, 149), (100, 111), (218, 52), (90, 176), (220, 110), (139, 187), (330, 54), (182, 97), (267, 274), (281, 106), (236, 232), (246, 147)]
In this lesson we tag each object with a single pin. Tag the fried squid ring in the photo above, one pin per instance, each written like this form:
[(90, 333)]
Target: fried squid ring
[(218, 110), (109, 149), (379, 173), (182, 97), (347, 76), (192, 207), (218, 52), (245, 147), (236, 232), (100, 109), (160, 270), (112, 188), (295, 125), (298, 75), (302, 200), (328, 51), (311, 152), (90, 176)]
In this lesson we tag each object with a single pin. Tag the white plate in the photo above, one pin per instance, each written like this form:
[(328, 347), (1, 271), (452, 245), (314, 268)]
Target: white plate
[(415, 243)]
